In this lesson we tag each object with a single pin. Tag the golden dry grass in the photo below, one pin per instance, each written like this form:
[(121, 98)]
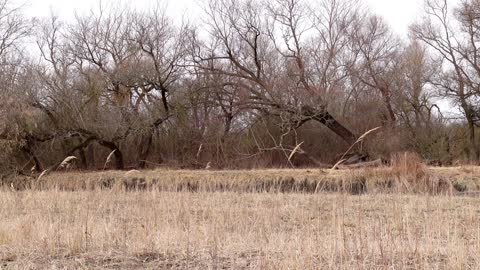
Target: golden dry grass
[(135, 230), (156, 229), (410, 178)]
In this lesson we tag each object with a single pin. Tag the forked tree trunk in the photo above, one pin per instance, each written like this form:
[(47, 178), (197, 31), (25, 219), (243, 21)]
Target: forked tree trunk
[(81, 151)]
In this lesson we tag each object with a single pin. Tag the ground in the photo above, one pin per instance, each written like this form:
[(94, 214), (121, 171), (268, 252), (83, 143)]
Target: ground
[(227, 220)]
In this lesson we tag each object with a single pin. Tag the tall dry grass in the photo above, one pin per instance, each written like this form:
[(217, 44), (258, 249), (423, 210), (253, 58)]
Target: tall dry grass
[(409, 174), (266, 219), (184, 230), (405, 175)]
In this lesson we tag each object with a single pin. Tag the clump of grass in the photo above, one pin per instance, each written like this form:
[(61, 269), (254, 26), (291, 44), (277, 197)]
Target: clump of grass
[(409, 165), (401, 178), (410, 174)]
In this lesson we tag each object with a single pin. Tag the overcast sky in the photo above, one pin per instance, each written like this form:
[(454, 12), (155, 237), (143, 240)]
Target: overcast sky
[(398, 13)]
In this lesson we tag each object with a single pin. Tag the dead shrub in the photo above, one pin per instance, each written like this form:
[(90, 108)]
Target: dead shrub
[(409, 165), (410, 174)]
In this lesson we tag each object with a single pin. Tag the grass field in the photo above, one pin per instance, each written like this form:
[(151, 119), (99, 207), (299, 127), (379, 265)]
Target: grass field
[(227, 220)]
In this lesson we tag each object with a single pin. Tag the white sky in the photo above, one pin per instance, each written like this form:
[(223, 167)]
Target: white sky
[(398, 13)]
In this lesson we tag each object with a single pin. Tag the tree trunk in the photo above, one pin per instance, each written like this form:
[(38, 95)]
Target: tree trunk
[(145, 150), (38, 165), (164, 100), (474, 154), (388, 104), (467, 109), (81, 153), (83, 158), (80, 148), (120, 165), (331, 123), (28, 150)]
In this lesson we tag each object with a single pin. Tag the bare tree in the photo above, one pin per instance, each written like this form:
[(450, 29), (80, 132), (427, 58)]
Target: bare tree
[(456, 44), (161, 56), (76, 97), (256, 78), (377, 61), (414, 102), (264, 53), (15, 126)]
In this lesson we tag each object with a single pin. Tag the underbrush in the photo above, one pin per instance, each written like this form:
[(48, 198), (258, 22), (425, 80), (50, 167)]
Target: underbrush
[(406, 174)]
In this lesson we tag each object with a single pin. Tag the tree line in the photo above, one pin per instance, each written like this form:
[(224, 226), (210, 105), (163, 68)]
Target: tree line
[(253, 84)]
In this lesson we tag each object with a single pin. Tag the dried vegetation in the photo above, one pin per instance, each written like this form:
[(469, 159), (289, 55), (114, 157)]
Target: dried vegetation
[(402, 216)]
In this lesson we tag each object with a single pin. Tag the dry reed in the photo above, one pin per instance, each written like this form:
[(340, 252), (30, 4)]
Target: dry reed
[(66, 162), (109, 158), (184, 230)]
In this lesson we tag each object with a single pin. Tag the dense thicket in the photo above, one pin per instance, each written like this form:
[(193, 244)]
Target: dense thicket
[(243, 88)]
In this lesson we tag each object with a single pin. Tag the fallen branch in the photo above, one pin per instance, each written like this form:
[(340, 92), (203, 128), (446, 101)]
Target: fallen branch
[(367, 164), (360, 139)]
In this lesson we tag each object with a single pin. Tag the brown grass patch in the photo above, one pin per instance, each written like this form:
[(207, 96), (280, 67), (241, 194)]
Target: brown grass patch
[(406, 175), (268, 219), (185, 230)]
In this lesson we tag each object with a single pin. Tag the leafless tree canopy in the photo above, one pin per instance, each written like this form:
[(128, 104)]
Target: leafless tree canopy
[(254, 84)]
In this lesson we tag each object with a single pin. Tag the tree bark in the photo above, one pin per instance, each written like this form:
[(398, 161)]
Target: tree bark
[(467, 108), (120, 165), (388, 104), (28, 150), (474, 154), (145, 150), (80, 148), (83, 158), (36, 161), (331, 123)]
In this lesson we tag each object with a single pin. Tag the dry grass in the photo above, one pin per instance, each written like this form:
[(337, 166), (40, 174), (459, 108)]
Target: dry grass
[(225, 223), (401, 177), (184, 230)]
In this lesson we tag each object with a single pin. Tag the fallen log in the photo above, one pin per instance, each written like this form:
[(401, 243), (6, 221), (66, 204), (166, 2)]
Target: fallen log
[(367, 164)]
